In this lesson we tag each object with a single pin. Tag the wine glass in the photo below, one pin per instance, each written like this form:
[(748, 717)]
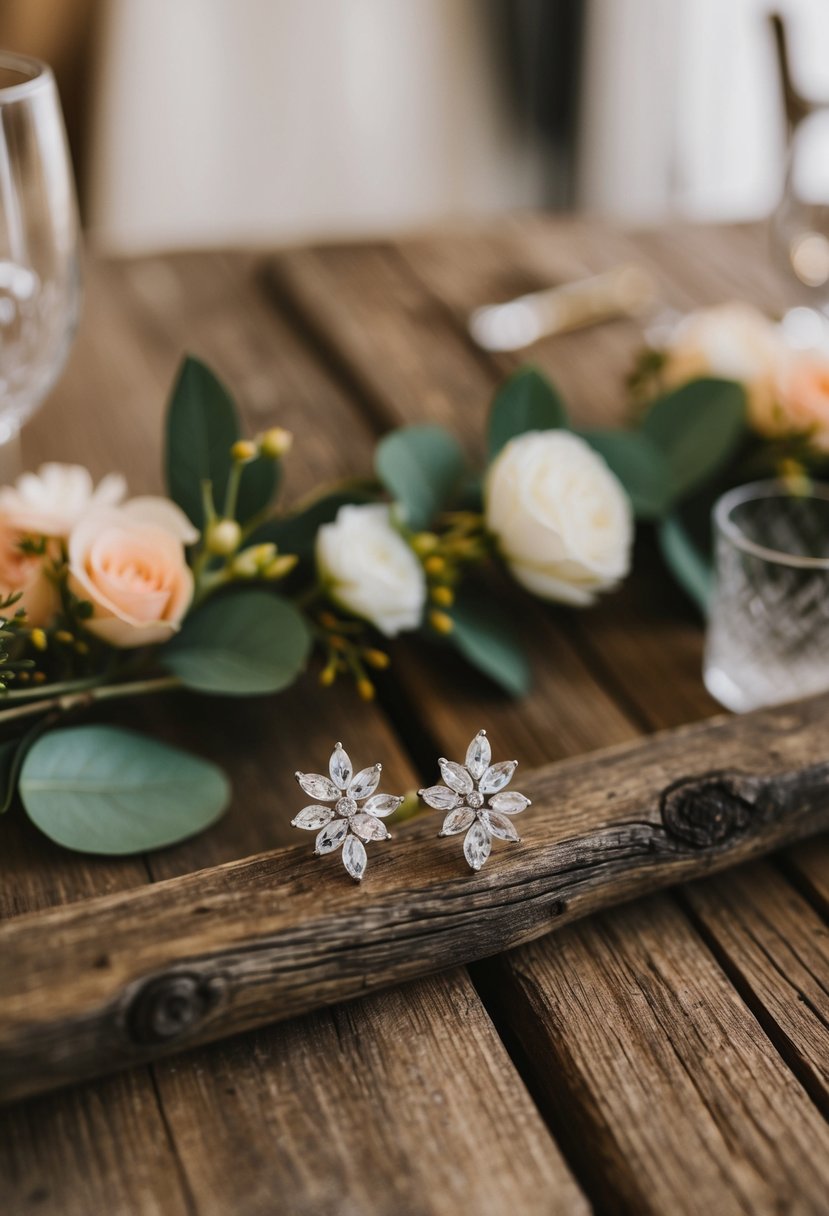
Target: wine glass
[(40, 285)]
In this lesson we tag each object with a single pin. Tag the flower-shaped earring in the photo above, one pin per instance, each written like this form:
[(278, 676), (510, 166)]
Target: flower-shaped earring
[(477, 800), (346, 823)]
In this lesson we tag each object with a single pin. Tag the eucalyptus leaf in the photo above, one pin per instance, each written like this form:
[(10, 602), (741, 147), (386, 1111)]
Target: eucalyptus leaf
[(257, 487), (640, 466), (297, 533), (421, 467), (698, 428), (527, 401), (201, 429), (487, 639), (243, 644), (100, 789), (12, 752)]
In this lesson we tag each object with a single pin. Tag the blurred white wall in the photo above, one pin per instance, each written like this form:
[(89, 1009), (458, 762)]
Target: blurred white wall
[(222, 121), (681, 111)]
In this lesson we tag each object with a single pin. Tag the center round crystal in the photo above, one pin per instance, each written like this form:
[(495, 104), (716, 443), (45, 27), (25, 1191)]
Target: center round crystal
[(475, 800), (346, 807)]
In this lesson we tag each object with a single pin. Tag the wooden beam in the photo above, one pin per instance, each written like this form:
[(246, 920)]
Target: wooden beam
[(109, 982)]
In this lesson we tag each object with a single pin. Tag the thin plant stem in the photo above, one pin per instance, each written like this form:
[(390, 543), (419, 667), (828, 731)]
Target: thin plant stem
[(104, 692)]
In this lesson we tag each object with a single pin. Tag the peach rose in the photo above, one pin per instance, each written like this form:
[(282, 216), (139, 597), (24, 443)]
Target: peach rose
[(803, 399), (129, 563), (25, 572), (51, 501)]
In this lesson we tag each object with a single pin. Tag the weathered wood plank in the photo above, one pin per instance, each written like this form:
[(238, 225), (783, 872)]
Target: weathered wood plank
[(198, 957), (680, 1099)]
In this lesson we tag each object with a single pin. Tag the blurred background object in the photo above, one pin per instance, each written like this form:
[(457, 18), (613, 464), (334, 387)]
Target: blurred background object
[(255, 121)]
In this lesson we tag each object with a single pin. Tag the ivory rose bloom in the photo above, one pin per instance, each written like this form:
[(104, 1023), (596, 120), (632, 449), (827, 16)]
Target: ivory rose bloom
[(25, 573), (734, 342), (370, 569), (129, 562), (562, 521), (804, 399), (51, 501)]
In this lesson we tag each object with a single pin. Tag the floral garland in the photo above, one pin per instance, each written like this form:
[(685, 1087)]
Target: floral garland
[(217, 590)]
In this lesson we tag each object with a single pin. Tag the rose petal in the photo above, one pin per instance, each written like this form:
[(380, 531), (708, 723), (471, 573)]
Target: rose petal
[(455, 776), (439, 797)]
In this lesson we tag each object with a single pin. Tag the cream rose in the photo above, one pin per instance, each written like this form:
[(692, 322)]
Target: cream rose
[(129, 562), (51, 501), (370, 569), (735, 342), (25, 572), (804, 398), (562, 521)]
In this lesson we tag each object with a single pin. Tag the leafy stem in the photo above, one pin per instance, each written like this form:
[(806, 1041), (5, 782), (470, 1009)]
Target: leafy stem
[(83, 697)]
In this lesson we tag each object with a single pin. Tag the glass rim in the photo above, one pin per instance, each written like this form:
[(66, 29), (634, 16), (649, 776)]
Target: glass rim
[(36, 74), (753, 490)]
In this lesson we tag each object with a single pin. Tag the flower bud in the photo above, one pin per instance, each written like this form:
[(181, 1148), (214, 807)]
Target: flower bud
[(434, 564), (365, 688), (424, 543), (39, 639), (443, 596), (328, 675), (376, 658), (280, 566), (243, 450), (441, 622), (223, 537), (276, 442)]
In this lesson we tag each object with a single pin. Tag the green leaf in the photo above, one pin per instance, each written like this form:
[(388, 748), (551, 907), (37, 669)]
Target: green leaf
[(687, 560), (640, 466), (243, 644), (298, 533), (257, 488), (487, 639), (698, 428), (526, 402), (12, 752), (201, 429), (420, 466), (100, 789)]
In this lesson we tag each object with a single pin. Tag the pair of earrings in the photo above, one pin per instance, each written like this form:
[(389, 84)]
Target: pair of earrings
[(473, 796)]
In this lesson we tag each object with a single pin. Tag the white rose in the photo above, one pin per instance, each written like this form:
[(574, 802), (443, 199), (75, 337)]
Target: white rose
[(370, 570), (562, 520), (51, 501), (735, 342), (129, 563)]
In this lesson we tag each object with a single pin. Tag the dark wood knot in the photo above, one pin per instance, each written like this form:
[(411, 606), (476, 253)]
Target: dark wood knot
[(172, 1005), (705, 811)]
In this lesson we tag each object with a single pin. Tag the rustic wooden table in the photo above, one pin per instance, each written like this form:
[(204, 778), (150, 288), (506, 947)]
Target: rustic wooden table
[(668, 1057)]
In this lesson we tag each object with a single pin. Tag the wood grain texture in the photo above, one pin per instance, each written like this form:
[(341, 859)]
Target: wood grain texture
[(199, 957)]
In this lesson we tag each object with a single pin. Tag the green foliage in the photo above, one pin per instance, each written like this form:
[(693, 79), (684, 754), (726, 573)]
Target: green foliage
[(698, 428), (640, 466), (98, 789), (421, 467), (202, 426), (487, 639), (526, 402), (242, 644)]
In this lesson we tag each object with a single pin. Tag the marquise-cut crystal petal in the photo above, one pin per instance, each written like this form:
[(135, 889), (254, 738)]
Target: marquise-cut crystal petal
[(332, 836), (439, 797), (313, 818), (476, 845), (509, 803), (457, 821), (340, 767), (382, 805), (364, 783), (369, 827), (455, 776), (478, 756), (354, 857), (317, 786), (497, 776), (498, 825)]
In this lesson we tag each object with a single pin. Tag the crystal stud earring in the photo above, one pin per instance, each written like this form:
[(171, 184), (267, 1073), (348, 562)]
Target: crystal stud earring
[(345, 822), (477, 800)]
